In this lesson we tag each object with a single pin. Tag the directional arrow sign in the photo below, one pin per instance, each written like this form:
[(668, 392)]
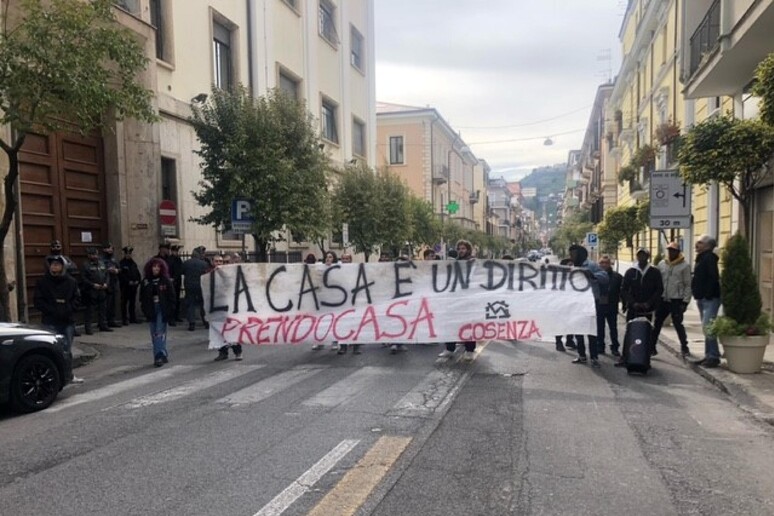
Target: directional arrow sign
[(670, 201)]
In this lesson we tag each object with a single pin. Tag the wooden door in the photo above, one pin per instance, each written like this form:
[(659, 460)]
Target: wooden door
[(62, 197)]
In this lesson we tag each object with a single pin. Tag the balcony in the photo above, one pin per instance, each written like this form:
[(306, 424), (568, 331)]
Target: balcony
[(731, 38), (475, 197), (440, 174), (706, 37)]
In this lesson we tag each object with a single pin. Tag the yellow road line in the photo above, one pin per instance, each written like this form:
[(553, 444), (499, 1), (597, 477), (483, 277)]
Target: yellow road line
[(353, 489)]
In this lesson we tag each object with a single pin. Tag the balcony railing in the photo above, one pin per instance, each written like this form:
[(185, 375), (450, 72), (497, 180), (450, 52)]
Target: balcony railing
[(440, 174), (474, 197), (705, 39)]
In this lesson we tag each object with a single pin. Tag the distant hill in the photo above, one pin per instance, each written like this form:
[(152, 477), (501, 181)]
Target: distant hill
[(547, 180)]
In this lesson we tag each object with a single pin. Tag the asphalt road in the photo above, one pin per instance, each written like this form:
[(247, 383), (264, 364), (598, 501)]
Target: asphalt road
[(289, 431)]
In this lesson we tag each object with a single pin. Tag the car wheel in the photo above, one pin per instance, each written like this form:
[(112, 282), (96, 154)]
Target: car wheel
[(35, 384)]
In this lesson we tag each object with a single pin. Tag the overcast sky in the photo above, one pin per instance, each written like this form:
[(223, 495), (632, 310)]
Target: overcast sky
[(494, 63)]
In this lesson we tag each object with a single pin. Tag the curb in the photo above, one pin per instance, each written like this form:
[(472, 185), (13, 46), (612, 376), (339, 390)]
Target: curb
[(83, 354)]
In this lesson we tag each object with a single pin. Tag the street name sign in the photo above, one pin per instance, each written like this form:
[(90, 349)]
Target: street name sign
[(670, 200), (241, 216)]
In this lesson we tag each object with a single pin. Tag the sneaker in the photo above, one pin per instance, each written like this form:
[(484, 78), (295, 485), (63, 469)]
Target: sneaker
[(238, 357), (579, 360), (393, 349), (560, 348), (158, 362), (335, 346), (317, 347), (445, 354), (356, 349), (164, 359), (615, 353), (76, 380), (594, 362), (711, 363), (402, 347), (342, 349), (221, 356), (685, 352), (468, 356)]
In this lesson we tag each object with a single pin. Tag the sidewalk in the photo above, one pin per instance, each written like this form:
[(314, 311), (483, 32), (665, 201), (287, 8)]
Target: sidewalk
[(135, 336), (753, 393)]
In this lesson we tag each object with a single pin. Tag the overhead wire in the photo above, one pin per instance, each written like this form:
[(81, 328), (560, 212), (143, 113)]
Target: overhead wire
[(527, 124)]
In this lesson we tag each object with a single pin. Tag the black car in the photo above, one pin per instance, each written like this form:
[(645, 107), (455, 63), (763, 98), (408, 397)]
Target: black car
[(34, 367)]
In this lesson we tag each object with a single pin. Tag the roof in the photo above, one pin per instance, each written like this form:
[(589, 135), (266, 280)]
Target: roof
[(389, 107)]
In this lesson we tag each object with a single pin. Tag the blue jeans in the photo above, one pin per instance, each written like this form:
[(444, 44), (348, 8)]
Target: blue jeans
[(67, 330), (708, 310), (158, 331)]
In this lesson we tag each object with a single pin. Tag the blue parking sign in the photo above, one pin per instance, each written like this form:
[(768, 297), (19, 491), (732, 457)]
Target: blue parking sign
[(242, 217), (592, 240)]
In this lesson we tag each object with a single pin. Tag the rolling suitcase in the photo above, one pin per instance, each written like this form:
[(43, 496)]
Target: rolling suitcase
[(637, 345)]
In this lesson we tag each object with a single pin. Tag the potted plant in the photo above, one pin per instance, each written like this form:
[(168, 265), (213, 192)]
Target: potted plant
[(644, 156), (667, 133), (626, 174), (744, 330)]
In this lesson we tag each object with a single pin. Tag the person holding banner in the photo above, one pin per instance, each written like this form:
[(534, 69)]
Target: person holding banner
[(464, 252), (331, 259), (599, 285), (217, 261)]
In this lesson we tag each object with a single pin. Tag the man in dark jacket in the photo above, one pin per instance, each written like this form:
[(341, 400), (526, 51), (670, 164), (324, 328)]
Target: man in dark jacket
[(94, 286), (112, 268), (599, 285), (70, 267), (193, 269), (607, 313), (705, 288), (641, 290), (129, 278), (57, 297)]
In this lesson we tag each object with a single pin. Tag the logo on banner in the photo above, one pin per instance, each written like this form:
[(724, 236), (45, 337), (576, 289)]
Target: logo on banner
[(498, 310)]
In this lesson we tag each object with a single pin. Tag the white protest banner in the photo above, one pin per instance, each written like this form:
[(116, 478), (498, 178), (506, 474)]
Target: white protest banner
[(397, 302)]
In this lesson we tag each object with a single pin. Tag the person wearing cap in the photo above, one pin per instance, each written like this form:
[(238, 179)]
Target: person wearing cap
[(56, 296), (94, 285), (641, 290), (676, 277), (70, 267), (193, 269), (599, 286), (129, 279), (705, 288), (112, 267)]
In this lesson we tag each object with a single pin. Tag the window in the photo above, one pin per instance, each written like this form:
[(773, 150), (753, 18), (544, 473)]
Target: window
[(168, 179), (128, 5), (328, 22), (157, 20), (356, 52), (396, 150), (329, 130), (221, 54), (358, 138), (288, 85), (292, 3)]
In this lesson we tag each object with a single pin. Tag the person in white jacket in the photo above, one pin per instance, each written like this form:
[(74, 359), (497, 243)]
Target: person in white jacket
[(676, 276)]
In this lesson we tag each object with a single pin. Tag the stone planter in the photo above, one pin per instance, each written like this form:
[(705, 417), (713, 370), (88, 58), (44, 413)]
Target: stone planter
[(744, 354)]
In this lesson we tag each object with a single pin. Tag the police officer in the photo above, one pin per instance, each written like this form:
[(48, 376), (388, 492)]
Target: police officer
[(70, 267), (94, 286), (112, 267), (129, 278)]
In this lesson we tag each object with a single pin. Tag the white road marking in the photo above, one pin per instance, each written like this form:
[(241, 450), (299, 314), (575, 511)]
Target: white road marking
[(344, 389), (117, 388), (191, 387), (304, 483), (424, 399), (266, 388)]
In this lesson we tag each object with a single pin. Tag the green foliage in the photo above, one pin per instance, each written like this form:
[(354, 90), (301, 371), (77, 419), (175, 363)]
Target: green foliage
[(763, 87), (733, 152), (68, 62), (266, 150), (738, 285), (425, 226), (644, 156), (572, 231), (621, 223), (627, 173), (643, 213), (354, 202), (667, 133), (724, 326), (393, 219)]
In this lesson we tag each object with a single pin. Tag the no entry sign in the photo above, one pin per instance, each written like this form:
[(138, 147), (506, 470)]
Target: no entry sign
[(168, 213)]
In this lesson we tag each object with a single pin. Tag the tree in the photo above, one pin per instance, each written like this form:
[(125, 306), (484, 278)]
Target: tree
[(572, 231), (763, 87), (63, 63), (393, 219), (425, 226), (621, 223), (266, 150), (735, 153), (355, 202)]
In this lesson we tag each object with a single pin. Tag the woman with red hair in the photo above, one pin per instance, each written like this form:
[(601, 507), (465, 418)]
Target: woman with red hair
[(157, 299)]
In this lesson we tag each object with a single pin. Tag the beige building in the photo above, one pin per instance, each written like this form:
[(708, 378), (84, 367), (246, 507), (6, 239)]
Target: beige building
[(722, 43), (110, 186), (419, 146)]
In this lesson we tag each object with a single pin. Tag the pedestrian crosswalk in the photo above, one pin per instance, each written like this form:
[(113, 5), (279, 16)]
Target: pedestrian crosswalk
[(421, 394)]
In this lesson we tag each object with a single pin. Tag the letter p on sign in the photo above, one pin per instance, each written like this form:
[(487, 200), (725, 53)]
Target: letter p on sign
[(242, 209)]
